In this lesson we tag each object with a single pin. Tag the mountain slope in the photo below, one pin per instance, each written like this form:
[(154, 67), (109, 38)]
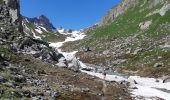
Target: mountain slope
[(41, 28), (132, 36), (28, 67)]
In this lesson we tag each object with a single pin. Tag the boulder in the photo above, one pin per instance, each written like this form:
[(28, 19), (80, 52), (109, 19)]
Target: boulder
[(106, 52), (56, 56), (75, 65), (27, 94), (25, 42), (62, 65), (137, 51), (166, 80), (158, 65), (54, 95), (1, 92), (2, 79), (87, 49), (16, 94), (145, 25), (19, 78)]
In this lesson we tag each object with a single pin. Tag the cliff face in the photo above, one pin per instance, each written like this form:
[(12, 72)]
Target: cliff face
[(10, 16), (126, 4), (41, 21), (116, 11)]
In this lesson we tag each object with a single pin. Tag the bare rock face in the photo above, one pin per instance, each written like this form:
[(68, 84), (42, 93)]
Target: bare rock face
[(10, 16), (115, 12), (145, 25)]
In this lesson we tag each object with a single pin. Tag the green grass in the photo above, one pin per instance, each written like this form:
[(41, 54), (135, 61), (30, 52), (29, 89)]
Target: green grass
[(128, 23)]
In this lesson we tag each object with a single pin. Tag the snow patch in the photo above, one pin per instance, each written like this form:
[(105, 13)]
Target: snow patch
[(145, 87), (43, 28), (34, 35), (75, 35)]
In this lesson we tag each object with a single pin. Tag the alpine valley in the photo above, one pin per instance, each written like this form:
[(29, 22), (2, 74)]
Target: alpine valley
[(125, 56)]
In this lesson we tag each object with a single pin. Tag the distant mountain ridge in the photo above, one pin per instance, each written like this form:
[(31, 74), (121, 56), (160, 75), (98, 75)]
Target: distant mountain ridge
[(41, 20)]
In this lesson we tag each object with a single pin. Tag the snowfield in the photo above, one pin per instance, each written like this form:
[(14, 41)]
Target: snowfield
[(34, 35), (75, 35), (147, 88)]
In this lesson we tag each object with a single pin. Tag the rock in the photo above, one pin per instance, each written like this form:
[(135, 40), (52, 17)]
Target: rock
[(161, 11), (41, 72), (54, 95), (106, 52), (13, 69), (27, 94), (45, 56), (166, 80), (61, 65), (157, 81), (2, 79), (87, 49), (5, 63), (88, 69), (25, 42), (133, 87), (37, 55), (57, 56), (158, 65), (145, 25), (85, 90), (48, 93), (19, 78), (119, 61), (27, 60), (62, 62), (1, 92), (76, 65), (38, 98), (126, 83), (137, 51), (16, 94), (132, 81)]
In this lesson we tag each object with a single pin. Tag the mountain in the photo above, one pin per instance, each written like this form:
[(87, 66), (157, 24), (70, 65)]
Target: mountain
[(133, 36), (41, 20), (41, 28), (125, 56)]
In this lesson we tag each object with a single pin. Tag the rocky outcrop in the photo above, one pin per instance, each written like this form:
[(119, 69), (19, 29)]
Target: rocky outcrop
[(10, 16), (161, 11), (116, 11), (145, 25)]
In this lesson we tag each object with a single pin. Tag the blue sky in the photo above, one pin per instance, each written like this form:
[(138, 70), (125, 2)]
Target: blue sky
[(74, 14)]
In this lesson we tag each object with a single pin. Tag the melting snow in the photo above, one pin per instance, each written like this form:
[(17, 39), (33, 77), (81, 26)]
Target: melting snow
[(75, 35), (145, 87), (43, 28), (36, 37), (38, 30)]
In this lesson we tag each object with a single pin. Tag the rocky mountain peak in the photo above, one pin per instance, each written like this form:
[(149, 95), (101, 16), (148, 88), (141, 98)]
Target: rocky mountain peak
[(43, 17), (42, 21)]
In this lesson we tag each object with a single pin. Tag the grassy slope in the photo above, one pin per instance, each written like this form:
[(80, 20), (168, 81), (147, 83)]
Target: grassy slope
[(128, 23)]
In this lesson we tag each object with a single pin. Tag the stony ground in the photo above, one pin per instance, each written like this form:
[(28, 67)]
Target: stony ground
[(30, 78)]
